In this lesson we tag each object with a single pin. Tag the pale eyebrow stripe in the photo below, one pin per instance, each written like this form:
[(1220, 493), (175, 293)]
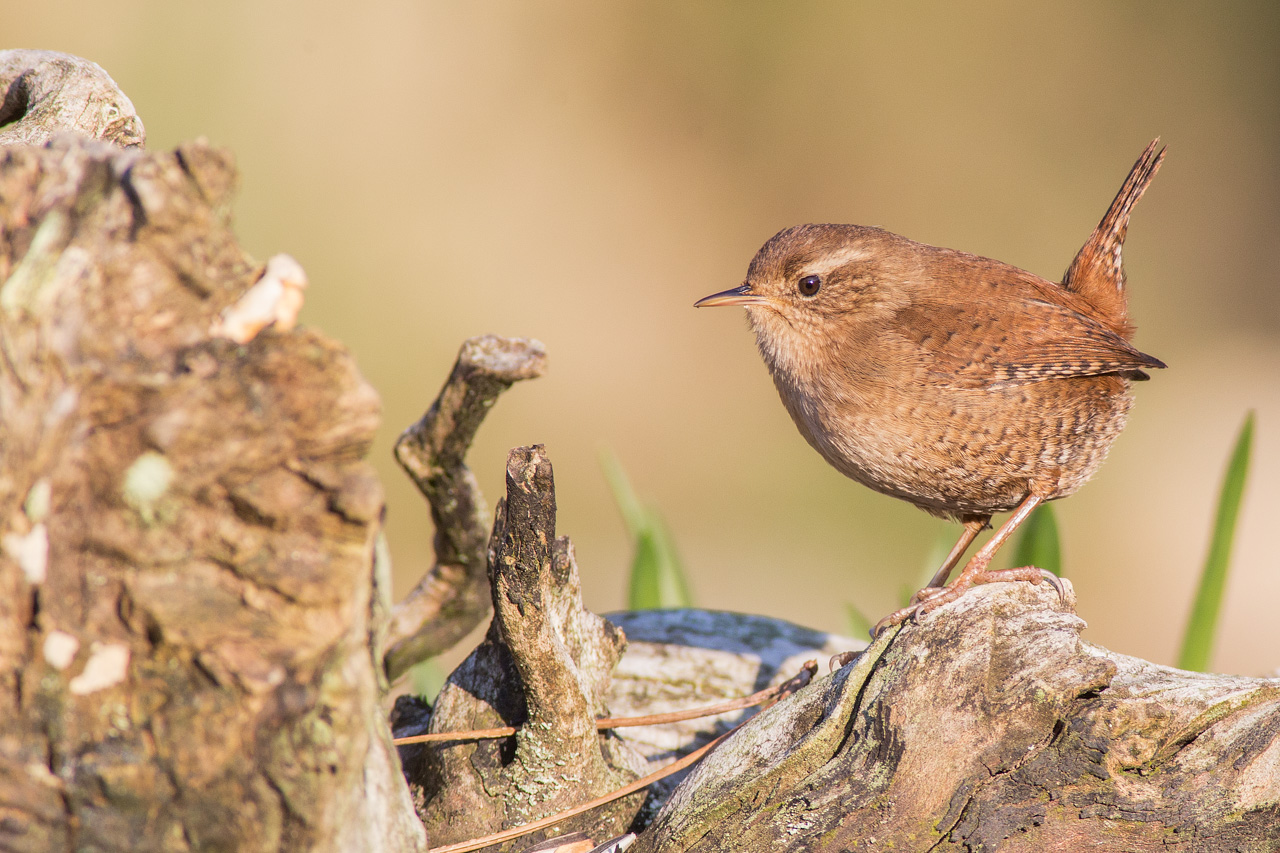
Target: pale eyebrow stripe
[(830, 261)]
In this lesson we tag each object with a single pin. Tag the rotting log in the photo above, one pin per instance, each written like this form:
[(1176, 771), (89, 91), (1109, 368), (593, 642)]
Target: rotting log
[(991, 725), (988, 725)]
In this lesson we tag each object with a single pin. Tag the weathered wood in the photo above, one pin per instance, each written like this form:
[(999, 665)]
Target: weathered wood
[(689, 658), (453, 596), (991, 725), (544, 666), (187, 528), (47, 93)]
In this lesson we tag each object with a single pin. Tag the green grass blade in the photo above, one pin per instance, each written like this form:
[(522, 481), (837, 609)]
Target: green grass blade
[(1037, 543), (859, 624), (673, 590), (657, 575), (426, 678), (938, 551), (1197, 642), (644, 592), (623, 495)]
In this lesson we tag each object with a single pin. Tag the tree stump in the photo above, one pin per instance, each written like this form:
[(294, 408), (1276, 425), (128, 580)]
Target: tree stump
[(188, 531)]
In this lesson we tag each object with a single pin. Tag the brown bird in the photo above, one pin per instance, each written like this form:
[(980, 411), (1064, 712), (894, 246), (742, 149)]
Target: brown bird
[(961, 384)]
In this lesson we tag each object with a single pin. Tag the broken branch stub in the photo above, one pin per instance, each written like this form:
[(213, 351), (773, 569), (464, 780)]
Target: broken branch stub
[(453, 597), (545, 668)]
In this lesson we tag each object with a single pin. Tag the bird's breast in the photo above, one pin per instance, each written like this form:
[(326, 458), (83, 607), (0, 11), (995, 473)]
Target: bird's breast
[(950, 451)]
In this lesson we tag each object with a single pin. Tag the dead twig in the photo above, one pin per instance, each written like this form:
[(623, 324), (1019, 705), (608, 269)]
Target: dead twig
[(604, 723), (453, 596)]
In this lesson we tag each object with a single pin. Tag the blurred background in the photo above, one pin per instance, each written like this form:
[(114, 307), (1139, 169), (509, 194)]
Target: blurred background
[(581, 172)]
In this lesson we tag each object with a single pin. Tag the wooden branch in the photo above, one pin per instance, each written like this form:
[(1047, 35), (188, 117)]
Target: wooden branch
[(453, 597), (186, 532), (46, 93)]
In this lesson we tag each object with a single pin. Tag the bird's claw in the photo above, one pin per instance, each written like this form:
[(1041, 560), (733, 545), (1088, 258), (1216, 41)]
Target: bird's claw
[(897, 617), (1055, 582), (842, 660)]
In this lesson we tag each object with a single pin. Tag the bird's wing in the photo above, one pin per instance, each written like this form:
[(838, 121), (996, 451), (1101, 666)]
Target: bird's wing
[(1024, 339)]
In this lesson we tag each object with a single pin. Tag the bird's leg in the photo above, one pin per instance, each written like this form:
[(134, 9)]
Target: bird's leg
[(971, 531), (976, 571)]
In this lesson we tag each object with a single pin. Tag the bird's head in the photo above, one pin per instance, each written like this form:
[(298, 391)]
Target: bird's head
[(811, 288)]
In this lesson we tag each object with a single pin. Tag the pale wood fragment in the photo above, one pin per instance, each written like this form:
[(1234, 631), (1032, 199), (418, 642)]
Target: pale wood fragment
[(44, 93)]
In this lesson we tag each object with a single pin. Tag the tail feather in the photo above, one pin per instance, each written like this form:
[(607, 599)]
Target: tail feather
[(1097, 273)]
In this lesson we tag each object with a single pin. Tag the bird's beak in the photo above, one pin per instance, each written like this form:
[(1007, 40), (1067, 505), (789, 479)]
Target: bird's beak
[(740, 295)]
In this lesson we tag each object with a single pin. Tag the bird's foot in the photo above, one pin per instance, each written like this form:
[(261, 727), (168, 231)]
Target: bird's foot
[(931, 597), (926, 594)]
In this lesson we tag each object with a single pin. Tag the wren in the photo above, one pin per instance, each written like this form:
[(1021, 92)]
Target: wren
[(958, 383)]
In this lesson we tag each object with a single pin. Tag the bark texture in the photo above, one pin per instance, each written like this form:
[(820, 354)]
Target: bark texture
[(545, 666), (991, 725), (688, 658), (188, 532)]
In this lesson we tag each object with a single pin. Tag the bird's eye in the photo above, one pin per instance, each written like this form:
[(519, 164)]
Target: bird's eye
[(809, 285)]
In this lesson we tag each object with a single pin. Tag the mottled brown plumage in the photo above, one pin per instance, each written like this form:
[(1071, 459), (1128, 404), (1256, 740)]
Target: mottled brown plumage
[(961, 384)]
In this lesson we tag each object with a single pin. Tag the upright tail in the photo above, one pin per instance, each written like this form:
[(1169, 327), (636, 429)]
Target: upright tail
[(1097, 273)]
